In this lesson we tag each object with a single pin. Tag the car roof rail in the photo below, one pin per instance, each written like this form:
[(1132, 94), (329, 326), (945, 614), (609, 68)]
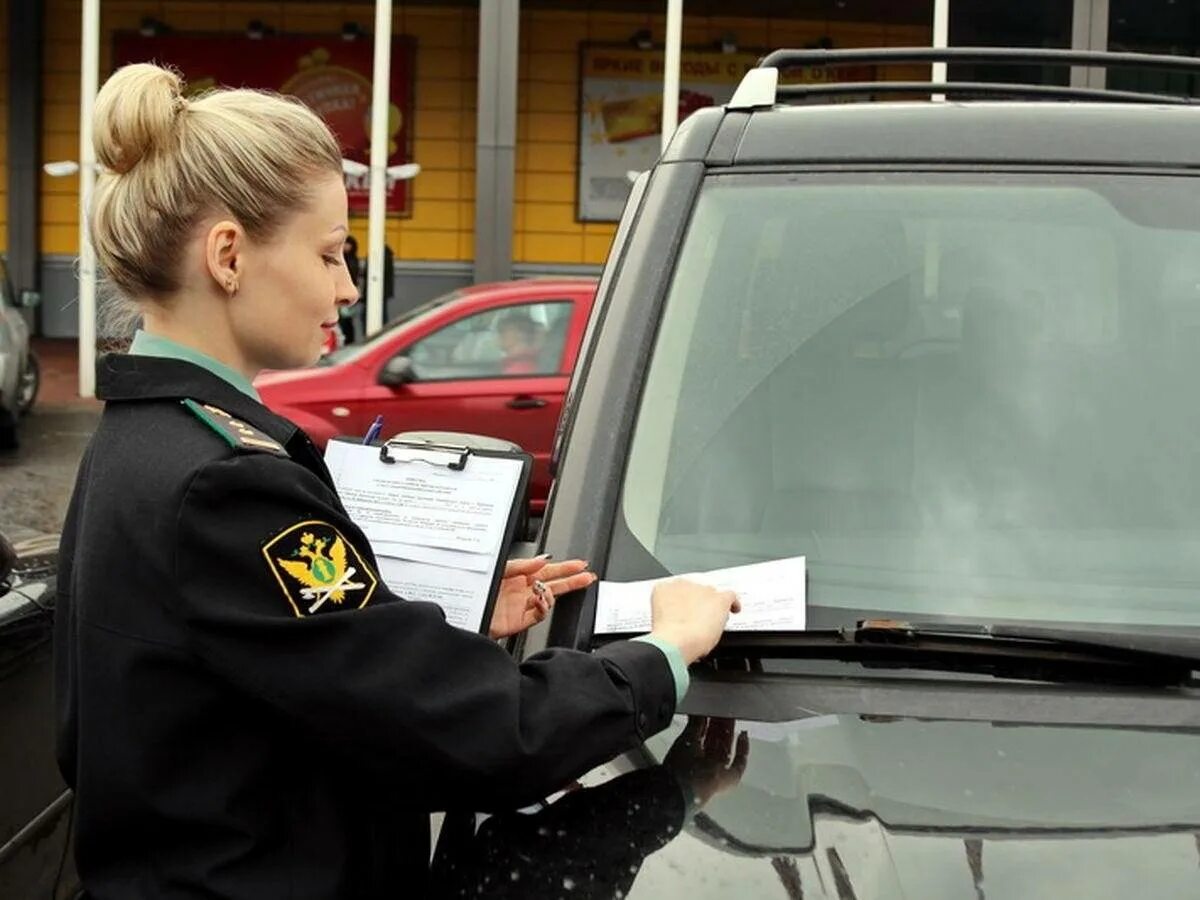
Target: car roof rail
[(760, 89)]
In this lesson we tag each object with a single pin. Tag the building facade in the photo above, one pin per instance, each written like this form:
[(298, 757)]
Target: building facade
[(586, 76)]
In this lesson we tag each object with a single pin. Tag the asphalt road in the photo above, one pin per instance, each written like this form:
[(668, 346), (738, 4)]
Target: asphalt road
[(36, 480)]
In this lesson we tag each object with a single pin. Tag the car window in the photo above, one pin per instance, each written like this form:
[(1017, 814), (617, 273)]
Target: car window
[(412, 317), (522, 339), (954, 395)]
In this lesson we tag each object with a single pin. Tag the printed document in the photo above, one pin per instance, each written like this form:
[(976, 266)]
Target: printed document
[(462, 595), (772, 595), (437, 532), (419, 500)]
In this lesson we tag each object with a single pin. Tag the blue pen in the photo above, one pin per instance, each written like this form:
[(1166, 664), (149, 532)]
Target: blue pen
[(374, 430)]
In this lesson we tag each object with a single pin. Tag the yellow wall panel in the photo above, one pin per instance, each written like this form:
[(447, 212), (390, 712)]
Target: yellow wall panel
[(235, 16), (441, 124), (437, 184), (439, 65), (118, 16), (466, 184), (61, 55), (435, 245), (434, 215), (313, 20), (440, 93), (553, 248), (437, 154), (545, 127), (61, 209), (554, 66), (196, 16), (60, 145), (64, 88), (548, 187), (552, 157), (62, 239), (48, 185), (553, 97), (595, 248), (553, 217), (434, 28)]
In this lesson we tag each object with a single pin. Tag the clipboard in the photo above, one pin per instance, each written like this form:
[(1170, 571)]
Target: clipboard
[(407, 466)]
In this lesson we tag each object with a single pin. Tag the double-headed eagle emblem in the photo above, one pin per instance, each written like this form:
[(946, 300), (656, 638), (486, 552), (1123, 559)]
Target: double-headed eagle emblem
[(316, 560)]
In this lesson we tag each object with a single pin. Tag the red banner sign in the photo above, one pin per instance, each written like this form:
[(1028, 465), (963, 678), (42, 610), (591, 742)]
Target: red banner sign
[(331, 75)]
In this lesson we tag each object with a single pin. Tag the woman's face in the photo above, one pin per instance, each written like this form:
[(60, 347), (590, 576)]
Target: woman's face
[(291, 287)]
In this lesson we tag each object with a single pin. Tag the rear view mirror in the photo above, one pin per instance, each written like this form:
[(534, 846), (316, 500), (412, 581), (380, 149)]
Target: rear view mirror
[(30, 299), (397, 371)]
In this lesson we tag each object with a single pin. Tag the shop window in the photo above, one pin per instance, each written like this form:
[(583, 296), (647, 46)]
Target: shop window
[(1018, 23), (1162, 26)]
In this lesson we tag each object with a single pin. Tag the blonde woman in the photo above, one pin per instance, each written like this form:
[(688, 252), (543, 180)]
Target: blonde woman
[(228, 731)]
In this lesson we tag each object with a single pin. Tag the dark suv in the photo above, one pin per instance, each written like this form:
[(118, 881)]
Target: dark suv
[(949, 353)]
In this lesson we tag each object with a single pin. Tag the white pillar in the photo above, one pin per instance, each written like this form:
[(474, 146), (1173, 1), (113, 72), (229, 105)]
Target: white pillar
[(1089, 31), (941, 40), (377, 212), (89, 84), (670, 106)]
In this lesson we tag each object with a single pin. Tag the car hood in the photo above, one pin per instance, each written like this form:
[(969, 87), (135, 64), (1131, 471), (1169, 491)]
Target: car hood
[(844, 806)]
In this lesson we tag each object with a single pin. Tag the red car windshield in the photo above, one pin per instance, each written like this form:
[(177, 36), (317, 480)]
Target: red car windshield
[(353, 351)]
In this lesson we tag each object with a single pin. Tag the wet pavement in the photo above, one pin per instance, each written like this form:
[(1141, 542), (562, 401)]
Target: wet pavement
[(36, 480)]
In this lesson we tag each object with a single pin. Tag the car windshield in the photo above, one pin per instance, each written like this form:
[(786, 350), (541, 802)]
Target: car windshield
[(955, 395), (352, 352)]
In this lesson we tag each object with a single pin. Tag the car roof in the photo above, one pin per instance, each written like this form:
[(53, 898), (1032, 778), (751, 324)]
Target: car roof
[(522, 287), (1055, 133)]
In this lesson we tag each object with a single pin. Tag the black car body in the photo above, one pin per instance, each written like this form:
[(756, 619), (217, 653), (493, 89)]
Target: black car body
[(947, 352), (35, 808)]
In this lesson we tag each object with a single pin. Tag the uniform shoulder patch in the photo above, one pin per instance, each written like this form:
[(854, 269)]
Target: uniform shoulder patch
[(318, 570), (236, 433)]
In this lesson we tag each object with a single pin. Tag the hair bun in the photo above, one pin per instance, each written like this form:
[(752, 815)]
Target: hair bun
[(135, 114)]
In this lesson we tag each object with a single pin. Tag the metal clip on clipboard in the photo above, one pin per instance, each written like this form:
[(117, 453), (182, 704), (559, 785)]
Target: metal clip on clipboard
[(458, 450)]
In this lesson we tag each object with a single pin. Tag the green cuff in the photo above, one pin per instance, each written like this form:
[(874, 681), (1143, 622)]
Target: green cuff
[(679, 669)]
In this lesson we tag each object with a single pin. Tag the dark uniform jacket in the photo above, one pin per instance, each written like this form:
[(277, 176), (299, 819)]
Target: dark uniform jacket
[(245, 711)]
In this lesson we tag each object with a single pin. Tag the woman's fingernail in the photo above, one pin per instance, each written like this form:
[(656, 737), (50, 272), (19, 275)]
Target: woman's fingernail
[(543, 556)]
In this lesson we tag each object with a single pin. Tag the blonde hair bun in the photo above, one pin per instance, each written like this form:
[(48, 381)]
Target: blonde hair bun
[(136, 113)]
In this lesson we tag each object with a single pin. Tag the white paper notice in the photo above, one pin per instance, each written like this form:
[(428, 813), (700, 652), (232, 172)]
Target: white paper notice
[(425, 503), (772, 595), (453, 559), (461, 594)]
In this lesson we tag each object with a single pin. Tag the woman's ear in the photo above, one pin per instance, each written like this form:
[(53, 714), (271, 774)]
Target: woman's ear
[(223, 254)]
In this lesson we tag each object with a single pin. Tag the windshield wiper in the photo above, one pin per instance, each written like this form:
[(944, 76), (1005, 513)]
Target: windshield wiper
[(1005, 651)]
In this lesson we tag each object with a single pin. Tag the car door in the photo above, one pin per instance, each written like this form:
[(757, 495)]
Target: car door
[(35, 812), (473, 375), (14, 340)]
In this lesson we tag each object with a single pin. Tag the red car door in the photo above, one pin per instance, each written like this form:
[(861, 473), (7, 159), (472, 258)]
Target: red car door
[(500, 368)]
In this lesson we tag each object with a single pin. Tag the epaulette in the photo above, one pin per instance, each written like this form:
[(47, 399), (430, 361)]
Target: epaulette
[(236, 433)]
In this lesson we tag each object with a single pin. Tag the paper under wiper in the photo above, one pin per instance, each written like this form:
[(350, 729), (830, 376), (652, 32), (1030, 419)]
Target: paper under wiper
[(772, 595)]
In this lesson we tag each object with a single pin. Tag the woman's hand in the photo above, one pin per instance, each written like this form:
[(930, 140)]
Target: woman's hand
[(528, 589)]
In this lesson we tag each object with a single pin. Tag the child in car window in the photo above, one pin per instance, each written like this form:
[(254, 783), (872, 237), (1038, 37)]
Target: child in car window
[(521, 340)]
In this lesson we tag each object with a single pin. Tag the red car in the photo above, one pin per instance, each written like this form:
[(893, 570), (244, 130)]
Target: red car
[(491, 359)]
